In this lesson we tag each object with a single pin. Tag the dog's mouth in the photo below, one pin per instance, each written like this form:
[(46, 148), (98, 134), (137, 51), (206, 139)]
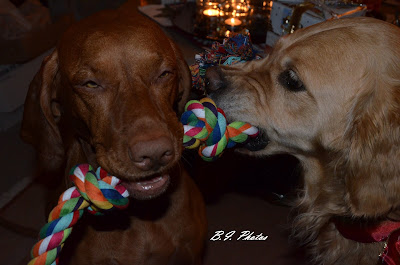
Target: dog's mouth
[(257, 143), (148, 187)]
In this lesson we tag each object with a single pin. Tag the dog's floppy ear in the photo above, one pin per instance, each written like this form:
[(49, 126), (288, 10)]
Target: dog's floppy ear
[(185, 79), (373, 153), (39, 126)]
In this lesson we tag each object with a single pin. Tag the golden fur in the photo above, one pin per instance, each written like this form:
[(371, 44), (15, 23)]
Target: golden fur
[(344, 126)]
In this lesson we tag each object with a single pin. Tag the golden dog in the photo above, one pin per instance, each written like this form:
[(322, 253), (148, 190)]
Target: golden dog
[(330, 96)]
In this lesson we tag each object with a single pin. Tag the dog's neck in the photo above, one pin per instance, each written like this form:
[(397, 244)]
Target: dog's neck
[(319, 181)]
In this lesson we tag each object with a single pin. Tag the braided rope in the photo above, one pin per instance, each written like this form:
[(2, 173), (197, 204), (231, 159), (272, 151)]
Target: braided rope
[(234, 49), (205, 125), (96, 191)]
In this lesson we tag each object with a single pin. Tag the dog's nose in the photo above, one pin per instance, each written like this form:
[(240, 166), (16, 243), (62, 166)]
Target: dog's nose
[(214, 79), (152, 154)]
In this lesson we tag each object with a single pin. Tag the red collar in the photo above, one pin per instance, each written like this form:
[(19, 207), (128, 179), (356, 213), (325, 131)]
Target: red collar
[(364, 232)]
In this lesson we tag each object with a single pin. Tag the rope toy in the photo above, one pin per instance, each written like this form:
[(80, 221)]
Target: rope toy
[(97, 192), (205, 125), (235, 49)]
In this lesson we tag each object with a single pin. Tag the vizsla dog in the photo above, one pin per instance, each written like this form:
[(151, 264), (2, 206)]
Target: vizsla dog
[(109, 95), (330, 95)]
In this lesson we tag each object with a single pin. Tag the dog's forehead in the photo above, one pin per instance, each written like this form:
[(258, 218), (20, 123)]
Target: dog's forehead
[(335, 47), (316, 45), (103, 39), (112, 42), (341, 36)]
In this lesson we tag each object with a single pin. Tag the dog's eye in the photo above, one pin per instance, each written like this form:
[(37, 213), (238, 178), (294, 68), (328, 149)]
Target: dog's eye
[(291, 81), (91, 84), (165, 74)]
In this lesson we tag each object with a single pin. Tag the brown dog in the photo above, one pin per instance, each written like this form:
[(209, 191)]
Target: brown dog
[(329, 95), (109, 95)]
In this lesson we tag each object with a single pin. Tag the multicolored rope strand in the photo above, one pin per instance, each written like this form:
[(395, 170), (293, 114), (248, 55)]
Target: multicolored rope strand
[(97, 192), (234, 49), (205, 126)]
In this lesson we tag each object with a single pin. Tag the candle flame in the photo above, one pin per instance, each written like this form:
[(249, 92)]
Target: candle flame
[(211, 12), (233, 21)]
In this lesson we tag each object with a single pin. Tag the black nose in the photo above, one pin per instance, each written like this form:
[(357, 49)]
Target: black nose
[(214, 79)]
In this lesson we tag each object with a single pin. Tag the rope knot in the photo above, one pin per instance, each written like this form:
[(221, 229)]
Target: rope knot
[(96, 191), (205, 125), (98, 188)]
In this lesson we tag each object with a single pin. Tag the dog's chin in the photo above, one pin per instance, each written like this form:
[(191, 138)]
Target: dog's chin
[(149, 187)]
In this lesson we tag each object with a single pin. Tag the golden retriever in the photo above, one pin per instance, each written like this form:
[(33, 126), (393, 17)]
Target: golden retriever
[(329, 95)]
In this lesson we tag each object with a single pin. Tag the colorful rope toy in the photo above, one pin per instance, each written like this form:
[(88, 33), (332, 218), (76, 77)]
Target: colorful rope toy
[(205, 125), (235, 49), (96, 191)]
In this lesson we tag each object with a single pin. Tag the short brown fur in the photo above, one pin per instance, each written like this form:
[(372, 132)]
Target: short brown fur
[(143, 82)]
